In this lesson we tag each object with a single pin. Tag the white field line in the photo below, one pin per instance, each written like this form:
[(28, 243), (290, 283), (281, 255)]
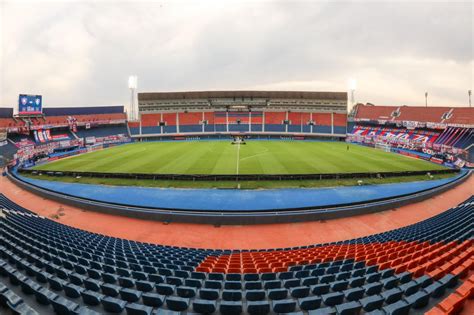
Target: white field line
[(254, 155)]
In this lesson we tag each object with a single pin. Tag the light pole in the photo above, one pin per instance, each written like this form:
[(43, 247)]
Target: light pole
[(426, 99), (132, 85), (352, 88), (469, 92)]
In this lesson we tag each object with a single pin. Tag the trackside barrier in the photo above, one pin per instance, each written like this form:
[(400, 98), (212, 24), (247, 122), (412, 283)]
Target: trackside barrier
[(240, 217), (231, 177)]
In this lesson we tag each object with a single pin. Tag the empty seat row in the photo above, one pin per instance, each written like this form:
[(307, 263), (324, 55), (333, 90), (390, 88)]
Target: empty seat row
[(73, 271)]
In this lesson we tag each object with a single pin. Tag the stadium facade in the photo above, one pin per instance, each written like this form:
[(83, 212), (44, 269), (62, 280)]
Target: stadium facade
[(322, 113)]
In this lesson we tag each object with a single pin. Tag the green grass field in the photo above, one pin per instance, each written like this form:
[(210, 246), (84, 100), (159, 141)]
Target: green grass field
[(256, 157)]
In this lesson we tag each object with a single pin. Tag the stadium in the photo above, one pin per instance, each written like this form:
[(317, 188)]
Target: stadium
[(236, 157), (306, 208)]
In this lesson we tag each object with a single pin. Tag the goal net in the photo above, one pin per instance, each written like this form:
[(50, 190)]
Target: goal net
[(383, 146), (238, 140)]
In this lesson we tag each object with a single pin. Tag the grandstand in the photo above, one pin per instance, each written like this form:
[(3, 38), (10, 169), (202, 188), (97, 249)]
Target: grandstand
[(444, 132), (317, 113), (432, 115), (60, 129), (50, 266)]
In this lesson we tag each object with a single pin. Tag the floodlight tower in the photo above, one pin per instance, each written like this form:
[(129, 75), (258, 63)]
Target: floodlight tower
[(352, 88), (351, 101), (132, 85)]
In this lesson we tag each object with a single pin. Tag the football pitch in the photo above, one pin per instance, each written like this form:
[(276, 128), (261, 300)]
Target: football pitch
[(255, 157)]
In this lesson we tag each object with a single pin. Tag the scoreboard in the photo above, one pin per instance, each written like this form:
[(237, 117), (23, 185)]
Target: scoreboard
[(30, 104)]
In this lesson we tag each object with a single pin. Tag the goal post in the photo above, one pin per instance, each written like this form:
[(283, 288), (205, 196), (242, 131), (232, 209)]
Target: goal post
[(383, 146), (238, 139)]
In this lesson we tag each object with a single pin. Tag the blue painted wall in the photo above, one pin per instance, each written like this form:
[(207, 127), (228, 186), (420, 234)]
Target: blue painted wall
[(64, 111), (6, 112)]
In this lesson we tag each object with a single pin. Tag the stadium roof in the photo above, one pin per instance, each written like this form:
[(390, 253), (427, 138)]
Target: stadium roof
[(149, 96), (435, 114)]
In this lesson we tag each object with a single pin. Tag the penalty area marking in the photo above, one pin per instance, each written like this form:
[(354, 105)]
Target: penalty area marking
[(254, 155)]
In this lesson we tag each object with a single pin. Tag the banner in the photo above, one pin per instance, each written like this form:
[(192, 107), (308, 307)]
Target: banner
[(436, 160), (40, 136), (35, 133), (3, 139), (60, 137), (90, 140)]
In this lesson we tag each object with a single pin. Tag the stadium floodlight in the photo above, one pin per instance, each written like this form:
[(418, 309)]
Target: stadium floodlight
[(352, 84), (132, 82)]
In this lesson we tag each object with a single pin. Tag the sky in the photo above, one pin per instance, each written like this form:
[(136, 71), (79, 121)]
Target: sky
[(80, 53)]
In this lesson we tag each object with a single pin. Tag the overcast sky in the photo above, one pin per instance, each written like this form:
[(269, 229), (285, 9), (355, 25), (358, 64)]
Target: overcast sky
[(80, 53)]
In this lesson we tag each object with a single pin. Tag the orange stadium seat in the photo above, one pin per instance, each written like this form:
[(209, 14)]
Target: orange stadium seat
[(340, 120), (416, 113), (464, 116), (274, 118), (10, 122), (375, 112), (190, 118), (323, 119), (151, 120), (209, 116), (170, 119)]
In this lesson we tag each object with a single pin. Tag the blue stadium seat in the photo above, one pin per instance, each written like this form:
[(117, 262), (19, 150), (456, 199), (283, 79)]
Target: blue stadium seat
[(323, 311), (348, 308), (113, 305), (130, 295), (177, 303), (209, 294), (373, 288), (372, 303), (354, 294), (392, 295), (258, 307), (320, 289), (45, 296), (91, 297), (232, 295), (418, 300), (300, 291), (436, 289), (165, 289), (230, 307), (204, 306), (332, 299), (152, 299), (138, 309), (64, 307), (110, 289), (397, 308)]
